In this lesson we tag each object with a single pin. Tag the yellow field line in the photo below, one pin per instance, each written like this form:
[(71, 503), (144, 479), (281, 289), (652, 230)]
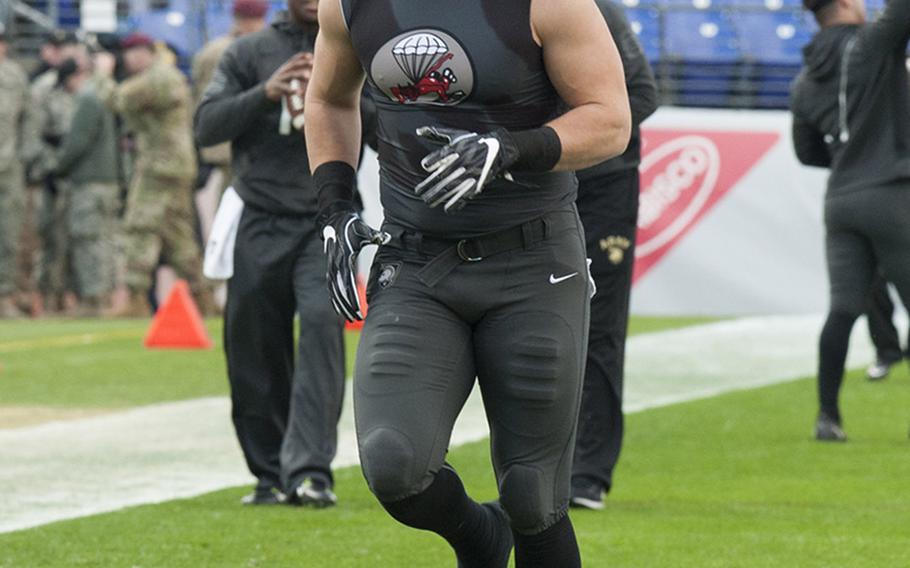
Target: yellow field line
[(69, 340)]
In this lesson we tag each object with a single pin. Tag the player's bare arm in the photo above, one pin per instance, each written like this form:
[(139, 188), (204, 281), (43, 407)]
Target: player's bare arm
[(332, 118), (584, 65), (333, 98)]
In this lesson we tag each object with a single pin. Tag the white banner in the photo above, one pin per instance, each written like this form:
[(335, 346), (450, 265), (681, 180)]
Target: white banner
[(730, 222)]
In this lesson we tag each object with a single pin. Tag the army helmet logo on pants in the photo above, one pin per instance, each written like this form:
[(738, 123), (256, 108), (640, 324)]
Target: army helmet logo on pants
[(423, 67)]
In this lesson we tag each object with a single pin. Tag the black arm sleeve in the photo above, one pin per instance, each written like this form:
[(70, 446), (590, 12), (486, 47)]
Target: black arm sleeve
[(809, 144), (640, 81), (232, 101), (890, 32)]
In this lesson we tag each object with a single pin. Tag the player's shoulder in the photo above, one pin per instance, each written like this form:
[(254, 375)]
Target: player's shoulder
[(12, 74)]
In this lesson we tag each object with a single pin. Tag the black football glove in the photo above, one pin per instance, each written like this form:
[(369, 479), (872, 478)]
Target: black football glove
[(344, 235), (464, 166)]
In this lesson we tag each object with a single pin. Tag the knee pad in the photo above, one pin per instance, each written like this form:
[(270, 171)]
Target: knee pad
[(527, 499), (387, 460)]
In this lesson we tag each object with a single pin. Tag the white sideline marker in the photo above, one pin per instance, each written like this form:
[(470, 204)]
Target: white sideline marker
[(157, 453)]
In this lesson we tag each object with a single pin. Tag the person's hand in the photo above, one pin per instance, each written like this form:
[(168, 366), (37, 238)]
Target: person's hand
[(299, 68), (105, 63), (464, 166), (345, 234)]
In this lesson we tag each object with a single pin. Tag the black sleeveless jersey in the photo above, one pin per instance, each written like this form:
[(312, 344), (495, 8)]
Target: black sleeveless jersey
[(468, 64)]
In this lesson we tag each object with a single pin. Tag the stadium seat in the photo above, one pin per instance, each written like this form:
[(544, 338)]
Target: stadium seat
[(700, 36), (772, 38), (645, 23)]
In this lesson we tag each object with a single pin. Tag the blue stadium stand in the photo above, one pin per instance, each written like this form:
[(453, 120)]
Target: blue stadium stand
[(645, 23), (701, 52), (772, 45)]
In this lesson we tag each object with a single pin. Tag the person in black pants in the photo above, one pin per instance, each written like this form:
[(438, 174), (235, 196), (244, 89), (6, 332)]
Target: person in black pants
[(880, 318), (608, 206), (285, 412), (481, 275), (851, 113)]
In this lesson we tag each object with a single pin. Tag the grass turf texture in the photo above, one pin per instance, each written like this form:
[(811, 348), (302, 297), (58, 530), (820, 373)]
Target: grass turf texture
[(102, 364), (730, 481)]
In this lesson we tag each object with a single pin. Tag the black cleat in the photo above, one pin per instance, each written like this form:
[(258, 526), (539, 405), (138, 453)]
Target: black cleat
[(314, 493), (269, 496), (587, 495), (828, 429), (503, 539), (879, 370)]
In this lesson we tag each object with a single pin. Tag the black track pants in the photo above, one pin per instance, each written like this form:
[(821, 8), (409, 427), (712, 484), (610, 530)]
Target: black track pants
[(517, 321), (285, 413), (608, 206), (880, 317), (867, 231)]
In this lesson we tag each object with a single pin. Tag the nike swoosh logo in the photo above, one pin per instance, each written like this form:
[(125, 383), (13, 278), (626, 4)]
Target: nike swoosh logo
[(555, 280)]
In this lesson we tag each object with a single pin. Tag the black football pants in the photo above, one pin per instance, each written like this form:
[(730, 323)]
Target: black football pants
[(608, 206), (285, 412), (517, 323)]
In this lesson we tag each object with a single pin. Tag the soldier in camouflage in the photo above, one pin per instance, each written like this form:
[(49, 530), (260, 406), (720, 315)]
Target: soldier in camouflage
[(88, 160), (53, 109), (14, 120), (155, 103)]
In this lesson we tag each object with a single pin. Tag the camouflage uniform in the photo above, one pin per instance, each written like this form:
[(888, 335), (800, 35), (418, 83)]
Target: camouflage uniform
[(14, 124), (156, 107), (204, 65), (88, 159), (53, 109)]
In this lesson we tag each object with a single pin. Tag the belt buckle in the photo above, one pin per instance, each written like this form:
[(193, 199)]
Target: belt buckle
[(463, 255)]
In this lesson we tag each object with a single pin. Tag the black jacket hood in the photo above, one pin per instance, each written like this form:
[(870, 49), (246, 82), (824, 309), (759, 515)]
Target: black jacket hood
[(823, 53)]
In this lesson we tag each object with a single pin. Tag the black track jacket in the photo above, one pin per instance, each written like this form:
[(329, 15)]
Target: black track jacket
[(850, 103)]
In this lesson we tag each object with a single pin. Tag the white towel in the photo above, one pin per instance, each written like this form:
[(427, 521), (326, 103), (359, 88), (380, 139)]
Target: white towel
[(219, 250)]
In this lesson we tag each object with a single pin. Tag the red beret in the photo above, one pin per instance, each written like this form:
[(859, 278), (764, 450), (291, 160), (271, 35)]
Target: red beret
[(250, 8), (137, 39)]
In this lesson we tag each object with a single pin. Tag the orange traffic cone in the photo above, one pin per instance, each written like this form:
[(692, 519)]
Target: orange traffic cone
[(178, 324)]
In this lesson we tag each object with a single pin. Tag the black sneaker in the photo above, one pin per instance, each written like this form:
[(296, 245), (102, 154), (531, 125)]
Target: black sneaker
[(269, 496), (587, 494), (499, 558), (828, 429), (313, 492), (879, 370)]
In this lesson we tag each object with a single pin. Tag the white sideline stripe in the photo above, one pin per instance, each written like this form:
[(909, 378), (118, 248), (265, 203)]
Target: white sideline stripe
[(169, 451)]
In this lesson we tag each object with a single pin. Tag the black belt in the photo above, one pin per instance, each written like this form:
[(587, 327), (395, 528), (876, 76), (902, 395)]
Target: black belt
[(448, 254)]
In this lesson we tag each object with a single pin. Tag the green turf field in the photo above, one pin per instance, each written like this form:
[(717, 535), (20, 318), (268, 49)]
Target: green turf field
[(101, 364), (730, 481)]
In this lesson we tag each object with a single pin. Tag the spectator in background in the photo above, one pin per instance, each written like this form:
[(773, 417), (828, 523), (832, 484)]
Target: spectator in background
[(53, 107), (249, 17), (286, 414), (14, 117), (851, 113), (88, 159), (155, 103), (608, 206)]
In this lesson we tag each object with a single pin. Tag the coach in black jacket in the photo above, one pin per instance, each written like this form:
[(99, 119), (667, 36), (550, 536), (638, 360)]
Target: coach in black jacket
[(286, 415), (608, 205), (851, 113)]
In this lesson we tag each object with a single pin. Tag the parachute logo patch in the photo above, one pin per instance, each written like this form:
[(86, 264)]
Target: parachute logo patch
[(423, 67)]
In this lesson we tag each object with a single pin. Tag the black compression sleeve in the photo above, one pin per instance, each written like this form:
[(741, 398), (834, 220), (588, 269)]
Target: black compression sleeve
[(334, 182), (539, 150)]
